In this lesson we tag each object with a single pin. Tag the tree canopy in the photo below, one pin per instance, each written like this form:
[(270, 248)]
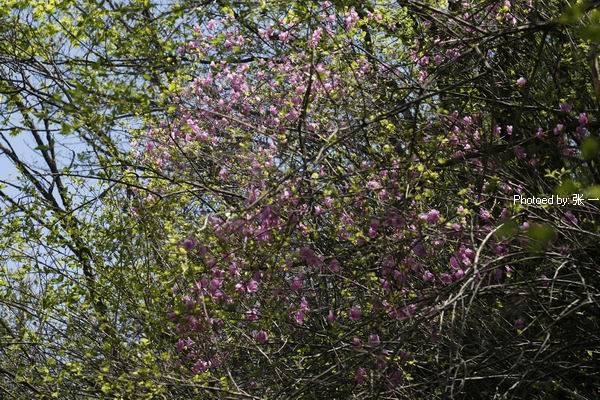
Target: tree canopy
[(311, 199)]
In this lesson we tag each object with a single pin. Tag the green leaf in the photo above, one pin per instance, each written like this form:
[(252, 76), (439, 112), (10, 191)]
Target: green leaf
[(567, 188), (591, 32), (572, 14), (541, 235), (508, 229), (590, 147)]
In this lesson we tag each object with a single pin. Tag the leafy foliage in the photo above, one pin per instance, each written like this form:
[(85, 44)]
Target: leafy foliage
[(311, 200)]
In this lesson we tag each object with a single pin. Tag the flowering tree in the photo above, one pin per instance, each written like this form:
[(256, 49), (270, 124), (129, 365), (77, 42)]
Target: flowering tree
[(346, 178), (327, 203)]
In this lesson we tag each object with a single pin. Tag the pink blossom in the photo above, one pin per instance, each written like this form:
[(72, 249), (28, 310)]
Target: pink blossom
[(201, 366), (373, 185), (292, 115), (540, 133), (190, 243), (565, 107), (428, 276), (454, 263), (284, 36), (234, 270), (466, 255), (303, 304), (299, 317), (188, 301), (583, 118), (458, 274), (485, 214), (315, 37), (520, 152), (419, 250), (239, 287), (570, 218), (252, 315), (355, 314), (521, 81), (331, 317), (372, 232), (360, 375), (446, 278), (334, 266), (431, 216), (184, 344), (374, 340), (396, 378), (261, 337), (385, 285), (351, 19), (252, 286), (297, 282), (223, 173), (519, 323), (558, 128)]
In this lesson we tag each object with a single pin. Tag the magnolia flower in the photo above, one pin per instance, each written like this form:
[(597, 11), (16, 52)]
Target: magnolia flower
[(334, 266), (331, 317), (570, 218), (355, 313), (252, 286), (297, 282), (261, 337), (540, 133), (454, 263), (189, 243), (520, 323), (373, 185), (419, 250), (446, 278), (351, 18), (431, 216), (428, 276), (558, 128), (565, 107), (374, 340), (252, 315), (361, 374), (484, 214), (315, 37), (458, 274), (201, 366), (184, 344), (299, 317), (283, 36)]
